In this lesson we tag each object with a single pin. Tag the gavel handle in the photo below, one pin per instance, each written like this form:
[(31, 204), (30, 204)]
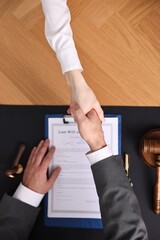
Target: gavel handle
[(157, 186), (19, 154)]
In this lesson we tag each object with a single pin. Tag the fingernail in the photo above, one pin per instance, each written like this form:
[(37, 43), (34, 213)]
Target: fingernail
[(41, 142)]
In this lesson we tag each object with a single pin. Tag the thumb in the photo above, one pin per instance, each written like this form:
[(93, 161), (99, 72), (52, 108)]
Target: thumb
[(68, 111), (77, 113), (93, 116), (100, 112), (53, 176)]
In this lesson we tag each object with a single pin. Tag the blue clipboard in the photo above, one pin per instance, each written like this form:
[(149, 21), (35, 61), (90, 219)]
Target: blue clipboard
[(90, 223)]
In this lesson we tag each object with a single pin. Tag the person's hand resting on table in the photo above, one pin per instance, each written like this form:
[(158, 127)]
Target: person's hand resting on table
[(35, 174)]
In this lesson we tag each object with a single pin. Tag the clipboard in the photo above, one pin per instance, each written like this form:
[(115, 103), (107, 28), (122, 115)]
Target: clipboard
[(55, 126)]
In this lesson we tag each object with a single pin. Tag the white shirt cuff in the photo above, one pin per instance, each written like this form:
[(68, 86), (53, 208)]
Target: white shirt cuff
[(69, 59), (28, 196), (99, 155)]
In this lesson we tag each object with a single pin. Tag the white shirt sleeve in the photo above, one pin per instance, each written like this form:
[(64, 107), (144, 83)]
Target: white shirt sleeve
[(59, 34), (28, 196), (32, 198), (99, 155)]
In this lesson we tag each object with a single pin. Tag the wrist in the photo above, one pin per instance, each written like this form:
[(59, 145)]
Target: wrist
[(97, 145), (75, 79)]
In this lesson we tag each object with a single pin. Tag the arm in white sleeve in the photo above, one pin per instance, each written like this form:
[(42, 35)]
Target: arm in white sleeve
[(28, 196), (59, 34)]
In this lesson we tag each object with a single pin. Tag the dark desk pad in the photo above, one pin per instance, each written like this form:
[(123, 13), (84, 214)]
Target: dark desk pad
[(26, 124)]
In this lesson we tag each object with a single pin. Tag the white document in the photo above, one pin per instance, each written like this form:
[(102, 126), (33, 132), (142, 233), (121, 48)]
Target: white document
[(74, 193)]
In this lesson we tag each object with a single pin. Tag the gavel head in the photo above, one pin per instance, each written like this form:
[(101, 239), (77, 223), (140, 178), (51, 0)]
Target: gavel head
[(151, 146), (13, 171), (16, 167), (149, 149)]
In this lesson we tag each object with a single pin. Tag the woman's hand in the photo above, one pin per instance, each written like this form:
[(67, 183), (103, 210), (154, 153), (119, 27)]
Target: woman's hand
[(82, 94)]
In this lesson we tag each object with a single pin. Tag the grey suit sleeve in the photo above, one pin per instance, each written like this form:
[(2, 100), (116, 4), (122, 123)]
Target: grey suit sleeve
[(16, 218), (120, 210)]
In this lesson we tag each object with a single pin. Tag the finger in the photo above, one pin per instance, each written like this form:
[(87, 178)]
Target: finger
[(77, 113), (41, 152), (92, 115), (37, 150), (46, 161), (99, 112), (68, 111), (31, 156), (53, 176)]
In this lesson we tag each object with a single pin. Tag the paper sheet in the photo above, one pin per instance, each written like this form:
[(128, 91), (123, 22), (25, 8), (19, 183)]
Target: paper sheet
[(74, 193)]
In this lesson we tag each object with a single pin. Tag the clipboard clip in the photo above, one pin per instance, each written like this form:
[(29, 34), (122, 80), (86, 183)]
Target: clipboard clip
[(68, 119)]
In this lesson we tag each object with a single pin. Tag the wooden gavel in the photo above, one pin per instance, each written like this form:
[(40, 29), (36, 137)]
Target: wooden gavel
[(152, 146)]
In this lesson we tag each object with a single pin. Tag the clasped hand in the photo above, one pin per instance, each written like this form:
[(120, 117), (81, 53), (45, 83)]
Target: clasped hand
[(35, 175)]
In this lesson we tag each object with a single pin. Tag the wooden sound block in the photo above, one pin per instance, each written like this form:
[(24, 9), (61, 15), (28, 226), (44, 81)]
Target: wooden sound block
[(149, 158)]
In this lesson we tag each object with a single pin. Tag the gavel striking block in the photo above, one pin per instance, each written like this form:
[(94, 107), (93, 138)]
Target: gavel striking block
[(150, 152)]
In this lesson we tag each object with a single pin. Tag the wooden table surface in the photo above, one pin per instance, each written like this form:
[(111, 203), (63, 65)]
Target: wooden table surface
[(118, 43)]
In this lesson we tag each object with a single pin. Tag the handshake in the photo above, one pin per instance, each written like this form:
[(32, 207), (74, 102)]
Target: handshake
[(89, 127)]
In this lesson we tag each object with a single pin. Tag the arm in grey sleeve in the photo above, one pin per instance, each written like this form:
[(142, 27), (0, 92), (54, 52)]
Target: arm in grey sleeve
[(16, 218), (59, 34), (119, 206)]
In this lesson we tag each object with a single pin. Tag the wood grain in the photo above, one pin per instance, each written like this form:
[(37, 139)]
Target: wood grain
[(118, 44)]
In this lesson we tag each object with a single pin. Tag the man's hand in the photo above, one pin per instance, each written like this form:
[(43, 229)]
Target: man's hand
[(35, 174), (89, 127), (82, 94)]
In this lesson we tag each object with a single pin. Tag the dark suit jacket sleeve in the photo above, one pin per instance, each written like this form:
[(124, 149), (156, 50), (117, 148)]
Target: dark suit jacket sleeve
[(16, 218), (119, 206)]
